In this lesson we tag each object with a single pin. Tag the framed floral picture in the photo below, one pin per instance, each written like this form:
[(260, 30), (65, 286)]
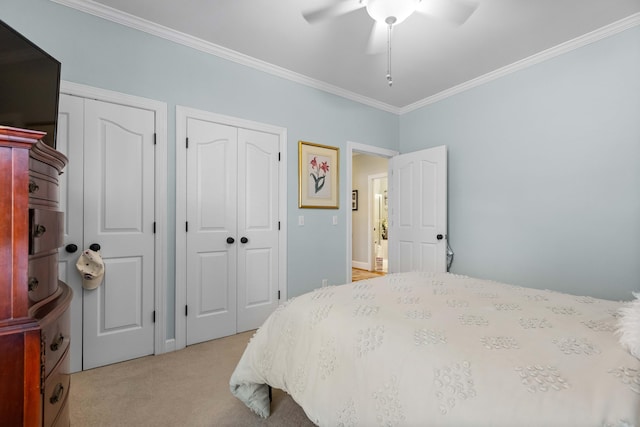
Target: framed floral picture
[(318, 176)]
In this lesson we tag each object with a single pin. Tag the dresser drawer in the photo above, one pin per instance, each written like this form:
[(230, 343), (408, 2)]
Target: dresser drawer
[(43, 276), (46, 230), (43, 165), (56, 389), (42, 188), (56, 336)]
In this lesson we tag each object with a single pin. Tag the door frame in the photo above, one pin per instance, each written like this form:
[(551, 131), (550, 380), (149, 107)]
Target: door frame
[(182, 113), (356, 147), (160, 203)]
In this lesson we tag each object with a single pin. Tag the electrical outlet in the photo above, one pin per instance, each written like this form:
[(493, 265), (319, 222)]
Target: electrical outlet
[(325, 282), (301, 220), (335, 220)]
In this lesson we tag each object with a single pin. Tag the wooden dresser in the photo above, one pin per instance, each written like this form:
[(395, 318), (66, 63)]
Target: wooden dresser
[(34, 305)]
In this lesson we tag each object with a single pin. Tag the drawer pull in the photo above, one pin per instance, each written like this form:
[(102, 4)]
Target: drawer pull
[(33, 187), (39, 230), (57, 394), (57, 343), (33, 284)]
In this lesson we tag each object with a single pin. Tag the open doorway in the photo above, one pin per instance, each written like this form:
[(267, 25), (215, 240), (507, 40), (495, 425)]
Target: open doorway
[(379, 222), (366, 168)]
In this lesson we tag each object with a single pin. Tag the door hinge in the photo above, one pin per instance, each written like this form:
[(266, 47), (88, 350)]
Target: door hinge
[(155, 139), (186, 226), (154, 227), (278, 225), (187, 141), (278, 294), (153, 317), (278, 156), (186, 310)]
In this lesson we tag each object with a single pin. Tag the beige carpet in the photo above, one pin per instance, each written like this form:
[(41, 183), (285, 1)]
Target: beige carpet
[(188, 387)]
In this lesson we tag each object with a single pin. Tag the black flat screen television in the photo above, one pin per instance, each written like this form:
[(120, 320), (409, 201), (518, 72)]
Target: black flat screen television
[(29, 85)]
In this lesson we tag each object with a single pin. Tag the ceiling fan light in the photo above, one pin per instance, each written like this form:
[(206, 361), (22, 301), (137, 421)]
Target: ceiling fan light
[(382, 10)]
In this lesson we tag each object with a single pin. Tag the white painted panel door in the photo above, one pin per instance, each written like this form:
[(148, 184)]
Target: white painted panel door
[(418, 192), (232, 239), (212, 230), (257, 223), (69, 141), (119, 162)]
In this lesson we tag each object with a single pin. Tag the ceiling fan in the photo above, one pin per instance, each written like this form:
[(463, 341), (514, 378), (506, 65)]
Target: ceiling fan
[(389, 13)]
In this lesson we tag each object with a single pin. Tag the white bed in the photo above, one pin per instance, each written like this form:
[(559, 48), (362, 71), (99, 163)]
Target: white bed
[(421, 349)]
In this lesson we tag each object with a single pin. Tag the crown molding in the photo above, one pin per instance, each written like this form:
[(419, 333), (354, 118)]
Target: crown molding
[(108, 13), (578, 42)]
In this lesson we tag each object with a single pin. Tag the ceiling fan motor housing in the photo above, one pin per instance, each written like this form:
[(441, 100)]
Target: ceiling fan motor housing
[(391, 12)]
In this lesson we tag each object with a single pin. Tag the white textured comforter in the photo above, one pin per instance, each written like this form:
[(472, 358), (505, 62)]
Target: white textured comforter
[(420, 349)]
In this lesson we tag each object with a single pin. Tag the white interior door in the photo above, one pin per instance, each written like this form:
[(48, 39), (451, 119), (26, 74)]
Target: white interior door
[(258, 224), (119, 192), (108, 199), (212, 230), (418, 197), (232, 242), (69, 141)]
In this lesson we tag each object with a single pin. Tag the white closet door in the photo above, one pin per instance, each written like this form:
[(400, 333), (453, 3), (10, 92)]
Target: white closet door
[(212, 238), (258, 224), (112, 323), (232, 238), (69, 141), (119, 162), (418, 190)]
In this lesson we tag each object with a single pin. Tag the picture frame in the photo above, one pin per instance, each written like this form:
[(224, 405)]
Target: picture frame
[(354, 200), (318, 174)]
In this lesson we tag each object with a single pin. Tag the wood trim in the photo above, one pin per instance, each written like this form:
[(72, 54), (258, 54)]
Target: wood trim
[(19, 138), (21, 347), (14, 203), (32, 378)]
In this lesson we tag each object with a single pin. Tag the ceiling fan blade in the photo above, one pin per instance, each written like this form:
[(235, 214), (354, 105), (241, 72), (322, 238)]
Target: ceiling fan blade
[(339, 8), (378, 39), (455, 11)]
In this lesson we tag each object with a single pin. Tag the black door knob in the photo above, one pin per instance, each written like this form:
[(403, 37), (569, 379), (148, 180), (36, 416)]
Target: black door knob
[(230, 240), (244, 240), (71, 248), (439, 237), (94, 247)]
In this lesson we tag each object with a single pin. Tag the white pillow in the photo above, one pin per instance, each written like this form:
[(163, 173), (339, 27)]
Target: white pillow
[(629, 326)]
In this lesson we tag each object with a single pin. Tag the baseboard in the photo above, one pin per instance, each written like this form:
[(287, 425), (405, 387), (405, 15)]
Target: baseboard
[(361, 265), (169, 345)]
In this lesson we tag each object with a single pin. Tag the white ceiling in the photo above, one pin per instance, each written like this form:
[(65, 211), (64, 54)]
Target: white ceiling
[(430, 57)]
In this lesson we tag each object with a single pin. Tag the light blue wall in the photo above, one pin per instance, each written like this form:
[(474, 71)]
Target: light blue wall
[(103, 54), (544, 171), (544, 177)]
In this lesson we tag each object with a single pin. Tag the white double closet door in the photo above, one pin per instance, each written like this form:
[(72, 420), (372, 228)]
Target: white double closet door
[(107, 194), (232, 229)]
